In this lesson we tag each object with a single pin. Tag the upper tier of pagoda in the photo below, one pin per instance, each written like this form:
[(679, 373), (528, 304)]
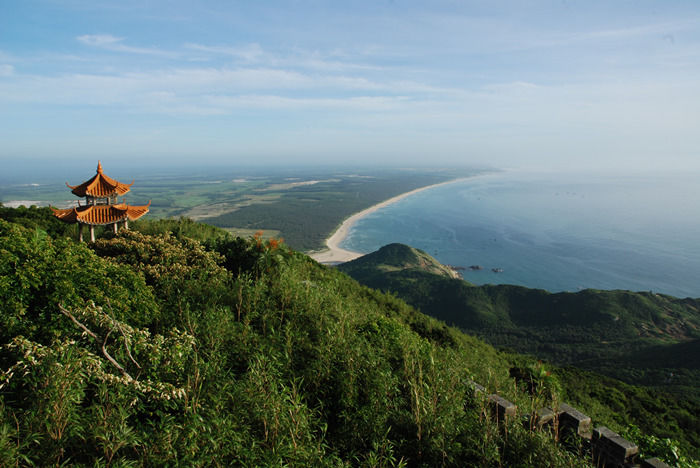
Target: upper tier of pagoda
[(100, 186)]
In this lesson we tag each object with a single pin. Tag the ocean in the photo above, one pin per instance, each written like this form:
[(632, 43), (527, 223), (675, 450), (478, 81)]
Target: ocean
[(554, 231)]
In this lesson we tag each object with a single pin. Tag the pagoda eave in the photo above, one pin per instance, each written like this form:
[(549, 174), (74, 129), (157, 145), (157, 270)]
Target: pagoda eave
[(101, 215)]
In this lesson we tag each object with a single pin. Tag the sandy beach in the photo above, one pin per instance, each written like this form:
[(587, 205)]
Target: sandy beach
[(334, 254)]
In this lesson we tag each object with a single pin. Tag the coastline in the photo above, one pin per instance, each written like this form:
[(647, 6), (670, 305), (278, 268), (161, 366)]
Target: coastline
[(334, 254)]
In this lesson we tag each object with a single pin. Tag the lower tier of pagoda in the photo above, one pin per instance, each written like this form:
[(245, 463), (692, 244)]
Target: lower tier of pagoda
[(98, 215)]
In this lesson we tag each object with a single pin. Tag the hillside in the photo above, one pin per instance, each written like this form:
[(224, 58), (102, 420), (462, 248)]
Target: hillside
[(642, 338), (159, 350), (588, 328)]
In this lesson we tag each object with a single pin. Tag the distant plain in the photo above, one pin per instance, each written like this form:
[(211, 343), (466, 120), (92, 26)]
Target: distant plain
[(302, 205)]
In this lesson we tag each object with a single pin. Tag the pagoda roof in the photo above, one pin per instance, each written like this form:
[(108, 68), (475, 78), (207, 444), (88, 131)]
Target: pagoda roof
[(100, 186), (101, 214)]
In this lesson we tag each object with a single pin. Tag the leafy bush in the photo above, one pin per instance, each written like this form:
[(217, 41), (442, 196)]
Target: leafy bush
[(37, 273), (41, 218), (180, 228)]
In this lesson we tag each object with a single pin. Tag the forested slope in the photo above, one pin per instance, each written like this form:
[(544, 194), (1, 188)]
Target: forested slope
[(648, 340), (158, 350)]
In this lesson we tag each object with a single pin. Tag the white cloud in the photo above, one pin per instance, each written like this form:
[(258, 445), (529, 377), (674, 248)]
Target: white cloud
[(367, 103), (115, 44), (658, 30), (513, 87), (295, 58), (99, 40), (219, 91), (250, 52), (207, 91)]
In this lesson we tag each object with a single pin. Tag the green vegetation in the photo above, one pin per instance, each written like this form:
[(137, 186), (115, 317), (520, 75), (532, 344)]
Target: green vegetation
[(396, 257), (153, 348), (160, 350), (181, 227), (648, 340), (34, 217), (655, 420)]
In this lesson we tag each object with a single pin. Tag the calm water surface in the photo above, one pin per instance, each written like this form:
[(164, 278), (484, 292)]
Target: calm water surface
[(560, 232)]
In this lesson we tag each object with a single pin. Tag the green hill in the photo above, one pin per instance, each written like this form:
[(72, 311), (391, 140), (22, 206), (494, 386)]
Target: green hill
[(159, 350), (398, 258), (154, 350), (641, 338), (591, 329)]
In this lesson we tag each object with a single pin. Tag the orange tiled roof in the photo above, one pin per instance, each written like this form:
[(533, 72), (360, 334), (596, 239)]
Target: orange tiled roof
[(100, 186), (101, 214)]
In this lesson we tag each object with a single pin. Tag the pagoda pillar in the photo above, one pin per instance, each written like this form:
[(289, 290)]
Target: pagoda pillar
[(80, 232), (92, 233), (126, 224), (114, 226)]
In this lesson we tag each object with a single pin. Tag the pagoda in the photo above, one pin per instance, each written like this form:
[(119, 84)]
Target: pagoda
[(101, 206)]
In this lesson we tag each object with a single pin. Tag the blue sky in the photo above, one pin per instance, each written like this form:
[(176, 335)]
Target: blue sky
[(527, 84)]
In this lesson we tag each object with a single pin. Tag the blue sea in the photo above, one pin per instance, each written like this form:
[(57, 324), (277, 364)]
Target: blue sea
[(554, 231)]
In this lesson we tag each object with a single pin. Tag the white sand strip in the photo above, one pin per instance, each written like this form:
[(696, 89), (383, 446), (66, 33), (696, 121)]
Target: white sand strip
[(334, 254)]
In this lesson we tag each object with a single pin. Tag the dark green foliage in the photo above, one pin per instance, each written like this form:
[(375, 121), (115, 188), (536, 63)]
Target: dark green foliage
[(243, 256), (182, 271), (279, 362), (661, 448), (646, 339), (73, 406), (619, 405), (180, 227), (38, 218), (37, 273)]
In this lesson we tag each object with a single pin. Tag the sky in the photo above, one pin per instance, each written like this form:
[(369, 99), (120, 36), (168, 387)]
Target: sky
[(610, 85)]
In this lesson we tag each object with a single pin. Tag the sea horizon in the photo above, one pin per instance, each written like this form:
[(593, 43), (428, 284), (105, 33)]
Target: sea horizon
[(553, 230)]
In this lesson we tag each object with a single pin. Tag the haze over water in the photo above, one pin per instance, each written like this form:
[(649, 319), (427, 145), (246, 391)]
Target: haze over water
[(559, 232)]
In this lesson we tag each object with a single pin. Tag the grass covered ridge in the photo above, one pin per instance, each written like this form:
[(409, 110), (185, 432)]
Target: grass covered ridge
[(233, 352), (648, 340)]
